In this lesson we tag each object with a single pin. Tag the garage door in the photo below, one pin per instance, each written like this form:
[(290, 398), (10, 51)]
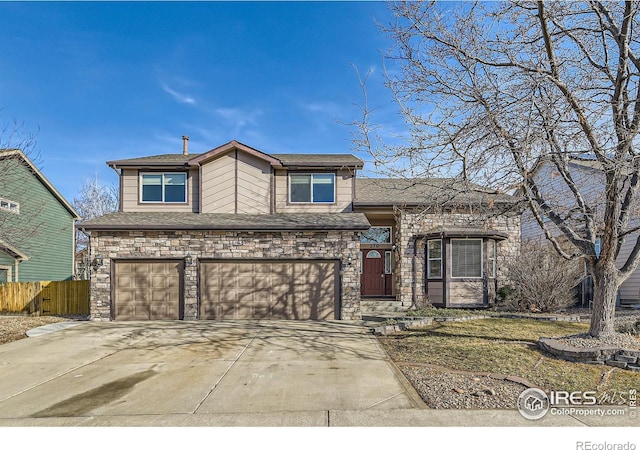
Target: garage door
[(148, 290), (301, 290)]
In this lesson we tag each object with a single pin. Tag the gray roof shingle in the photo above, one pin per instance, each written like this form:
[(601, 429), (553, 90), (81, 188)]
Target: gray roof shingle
[(318, 160), (239, 222), (155, 160), (303, 160), (423, 191)]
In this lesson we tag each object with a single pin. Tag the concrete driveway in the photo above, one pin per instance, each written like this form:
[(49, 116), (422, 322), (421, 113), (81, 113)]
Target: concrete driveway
[(197, 373)]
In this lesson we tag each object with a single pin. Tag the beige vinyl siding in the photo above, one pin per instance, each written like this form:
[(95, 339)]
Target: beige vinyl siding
[(464, 293), (131, 193), (344, 194), (253, 185), (218, 185), (236, 182)]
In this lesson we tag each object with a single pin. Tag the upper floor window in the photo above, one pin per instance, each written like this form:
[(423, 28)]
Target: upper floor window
[(312, 187), (8, 205), (376, 235), (164, 187)]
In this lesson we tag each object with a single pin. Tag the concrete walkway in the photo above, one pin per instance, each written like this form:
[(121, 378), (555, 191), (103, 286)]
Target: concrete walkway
[(244, 373)]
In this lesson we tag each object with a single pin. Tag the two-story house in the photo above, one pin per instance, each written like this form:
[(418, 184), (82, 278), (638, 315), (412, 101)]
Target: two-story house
[(37, 232), (236, 233)]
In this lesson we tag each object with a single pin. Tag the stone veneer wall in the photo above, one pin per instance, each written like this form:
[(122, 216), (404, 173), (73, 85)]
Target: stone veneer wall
[(337, 245), (413, 223)]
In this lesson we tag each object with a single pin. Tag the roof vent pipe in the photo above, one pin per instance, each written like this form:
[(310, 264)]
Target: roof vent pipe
[(185, 145)]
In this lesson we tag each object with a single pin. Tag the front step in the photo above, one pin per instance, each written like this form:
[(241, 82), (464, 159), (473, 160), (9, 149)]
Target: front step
[(382, 307)]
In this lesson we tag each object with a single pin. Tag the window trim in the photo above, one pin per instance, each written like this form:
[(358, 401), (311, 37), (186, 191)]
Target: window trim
[(388, 263), (11, 206), (429, 260), (492, 261), (311, 174), (481, 259), (377, 243), (372, 251), (163, 202)]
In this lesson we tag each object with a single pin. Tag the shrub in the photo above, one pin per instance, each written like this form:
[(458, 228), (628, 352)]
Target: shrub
[(541, 279), (630, 326)]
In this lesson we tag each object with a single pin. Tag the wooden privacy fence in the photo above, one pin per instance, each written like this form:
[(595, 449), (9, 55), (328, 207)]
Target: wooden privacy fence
[(46, 298)]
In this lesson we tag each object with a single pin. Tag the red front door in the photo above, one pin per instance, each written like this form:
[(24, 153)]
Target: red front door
[(372, 280)]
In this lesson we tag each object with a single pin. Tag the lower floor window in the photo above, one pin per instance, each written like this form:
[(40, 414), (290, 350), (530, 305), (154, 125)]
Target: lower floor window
[(491, 258), (466, 258)]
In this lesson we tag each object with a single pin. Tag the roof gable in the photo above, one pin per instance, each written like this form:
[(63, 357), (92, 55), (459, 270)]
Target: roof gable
[(293, 160), (4, 154), (229, 146)]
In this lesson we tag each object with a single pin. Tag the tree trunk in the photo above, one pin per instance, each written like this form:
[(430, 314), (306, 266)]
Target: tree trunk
[(605, 291)]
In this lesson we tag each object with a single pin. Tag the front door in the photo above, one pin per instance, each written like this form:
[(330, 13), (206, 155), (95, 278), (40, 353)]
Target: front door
[(373, 280)]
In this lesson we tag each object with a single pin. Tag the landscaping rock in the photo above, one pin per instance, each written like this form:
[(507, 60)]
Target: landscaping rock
[(625, 358), (614, 363), (454, 390)]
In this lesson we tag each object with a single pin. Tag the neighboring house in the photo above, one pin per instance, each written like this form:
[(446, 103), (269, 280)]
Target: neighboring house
[(588, 177), (37, 231), (238, 233)]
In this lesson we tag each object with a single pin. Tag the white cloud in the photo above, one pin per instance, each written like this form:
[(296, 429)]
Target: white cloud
[(182, 98)]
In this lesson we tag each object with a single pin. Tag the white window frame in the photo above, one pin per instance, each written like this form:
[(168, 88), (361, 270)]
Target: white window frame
[(429, 260), (186, 191), (492, 248), (9, 273), (388, 264), (10, 206), (481, 259), (311, 174), (371, 251)]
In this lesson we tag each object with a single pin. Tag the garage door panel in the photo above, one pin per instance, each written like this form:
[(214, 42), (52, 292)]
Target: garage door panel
[(269, 289), (245, 281), (227, 282), (262, 312), (147, 290)]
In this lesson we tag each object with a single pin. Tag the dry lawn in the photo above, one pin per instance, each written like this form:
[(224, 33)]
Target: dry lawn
[(506, 347)]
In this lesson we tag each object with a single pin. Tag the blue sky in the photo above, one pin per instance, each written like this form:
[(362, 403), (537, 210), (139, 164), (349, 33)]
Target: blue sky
[(111, 80)]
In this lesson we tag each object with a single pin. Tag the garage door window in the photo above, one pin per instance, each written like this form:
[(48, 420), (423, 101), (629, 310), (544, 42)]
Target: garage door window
[(164, 187)]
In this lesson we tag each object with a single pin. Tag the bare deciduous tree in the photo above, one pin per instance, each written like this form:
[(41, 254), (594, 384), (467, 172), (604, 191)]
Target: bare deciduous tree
[(94, 200), (492, 90), (15, 144)]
